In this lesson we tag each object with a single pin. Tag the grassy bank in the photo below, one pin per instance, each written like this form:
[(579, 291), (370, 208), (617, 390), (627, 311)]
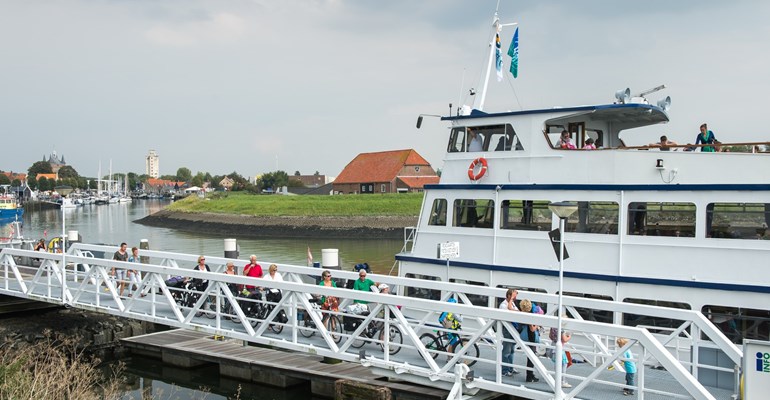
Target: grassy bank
[(406, 204)]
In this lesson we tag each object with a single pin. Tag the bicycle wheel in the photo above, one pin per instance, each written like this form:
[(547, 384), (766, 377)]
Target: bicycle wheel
[(431, 344), (396, 339), (360, 340), (334, 326), (471, 355), (306, 325), (211, 309)]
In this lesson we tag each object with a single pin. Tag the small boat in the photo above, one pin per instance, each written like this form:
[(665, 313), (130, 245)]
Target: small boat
[(10, 208)]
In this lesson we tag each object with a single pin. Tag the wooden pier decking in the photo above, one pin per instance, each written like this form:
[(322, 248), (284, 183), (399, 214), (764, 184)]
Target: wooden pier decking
[(280, 368)]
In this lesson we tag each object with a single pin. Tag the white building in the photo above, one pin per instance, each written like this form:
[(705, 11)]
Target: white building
[(152, 164)]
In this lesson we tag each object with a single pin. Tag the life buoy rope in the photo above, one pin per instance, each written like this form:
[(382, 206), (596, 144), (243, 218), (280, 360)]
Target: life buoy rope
[(472, 168)]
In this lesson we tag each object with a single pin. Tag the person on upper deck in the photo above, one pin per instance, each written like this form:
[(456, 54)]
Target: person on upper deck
[(664, 144), (475, 141), (706, 137), (565, 142), (589, 145)]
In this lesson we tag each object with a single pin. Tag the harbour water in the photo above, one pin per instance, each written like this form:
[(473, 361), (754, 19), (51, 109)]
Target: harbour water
[(112, 224)]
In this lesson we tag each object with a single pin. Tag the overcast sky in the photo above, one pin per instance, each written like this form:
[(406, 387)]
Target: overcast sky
[(255, 85)]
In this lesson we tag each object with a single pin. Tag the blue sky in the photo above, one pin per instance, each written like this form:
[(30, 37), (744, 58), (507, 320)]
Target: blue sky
[(251, 86)]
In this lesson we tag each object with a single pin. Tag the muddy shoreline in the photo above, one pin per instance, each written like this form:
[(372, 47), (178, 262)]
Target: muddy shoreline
[(383, 227)]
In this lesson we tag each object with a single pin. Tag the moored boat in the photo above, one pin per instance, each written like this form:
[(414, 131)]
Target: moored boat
[(10, 208), (651, 227)]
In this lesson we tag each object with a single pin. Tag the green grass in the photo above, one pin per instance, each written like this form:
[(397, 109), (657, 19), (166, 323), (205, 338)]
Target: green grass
[(405, 204)]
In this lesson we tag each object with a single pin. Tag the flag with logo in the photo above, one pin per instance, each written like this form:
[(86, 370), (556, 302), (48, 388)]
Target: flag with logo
[(513, 52), (498, 58)]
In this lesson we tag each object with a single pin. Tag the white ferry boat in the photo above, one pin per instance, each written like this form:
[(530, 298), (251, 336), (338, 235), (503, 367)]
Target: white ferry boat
[(672, 226)]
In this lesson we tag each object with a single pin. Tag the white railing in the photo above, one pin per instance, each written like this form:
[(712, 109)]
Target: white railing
[(407, 351)]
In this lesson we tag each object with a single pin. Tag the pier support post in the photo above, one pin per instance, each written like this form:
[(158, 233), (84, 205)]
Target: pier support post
[(144, 244), (345, 389), (231, 248)]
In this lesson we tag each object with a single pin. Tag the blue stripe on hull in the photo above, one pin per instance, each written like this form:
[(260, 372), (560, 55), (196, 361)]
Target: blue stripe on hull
[(595, 277), (603, 187)]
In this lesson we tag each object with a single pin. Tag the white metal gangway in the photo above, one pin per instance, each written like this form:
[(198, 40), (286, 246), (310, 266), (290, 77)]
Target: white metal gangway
[(410, 350)]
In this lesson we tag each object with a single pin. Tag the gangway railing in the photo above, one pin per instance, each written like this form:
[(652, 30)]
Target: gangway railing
[(406, 348)]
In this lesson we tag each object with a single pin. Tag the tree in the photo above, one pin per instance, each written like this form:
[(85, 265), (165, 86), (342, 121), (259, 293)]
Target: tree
[(43, 184), (16, 182), (317, 173), (40, 167), (31, 182), (68, 172), (296, 173), (197, 180), (184, 174), (4, 179), (274, 180)]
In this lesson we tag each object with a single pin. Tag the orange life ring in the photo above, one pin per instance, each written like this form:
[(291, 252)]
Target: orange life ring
[(471, 169)]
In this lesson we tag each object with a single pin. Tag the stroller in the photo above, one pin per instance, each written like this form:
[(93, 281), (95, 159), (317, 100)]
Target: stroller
[(176, 285)]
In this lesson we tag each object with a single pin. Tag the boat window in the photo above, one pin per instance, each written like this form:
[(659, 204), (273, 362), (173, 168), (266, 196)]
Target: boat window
[(594, 217), (504, 138), (738, 220), (438, 213), (590, 314), (739, 323), (528, 215), (471, 213), (484, 138), (476, 299), (651, 323), (422, 293), (661, 219)]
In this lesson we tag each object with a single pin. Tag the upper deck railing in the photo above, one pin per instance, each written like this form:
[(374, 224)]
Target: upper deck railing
[(409, 351)]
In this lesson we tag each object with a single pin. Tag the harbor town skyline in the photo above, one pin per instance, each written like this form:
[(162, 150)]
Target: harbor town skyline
[(250, 87)]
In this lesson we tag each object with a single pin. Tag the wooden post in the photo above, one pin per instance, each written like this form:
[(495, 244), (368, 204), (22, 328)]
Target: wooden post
[(353, 390)]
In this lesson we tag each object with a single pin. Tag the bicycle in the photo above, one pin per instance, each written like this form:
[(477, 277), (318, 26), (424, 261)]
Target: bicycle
[(256, 310), (435, 344), (351, 322), (307, 327)]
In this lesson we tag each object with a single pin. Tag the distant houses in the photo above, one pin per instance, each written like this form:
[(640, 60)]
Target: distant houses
[(396, 171)]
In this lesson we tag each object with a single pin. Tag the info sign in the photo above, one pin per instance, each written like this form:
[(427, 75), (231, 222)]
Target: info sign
[(756, 369), (448, 250)]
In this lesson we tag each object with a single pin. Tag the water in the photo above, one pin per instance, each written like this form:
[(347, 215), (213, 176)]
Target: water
[(113, 224), (160, 381)]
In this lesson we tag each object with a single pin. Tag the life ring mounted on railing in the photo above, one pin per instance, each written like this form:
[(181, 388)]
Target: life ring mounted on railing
[(472, 168)]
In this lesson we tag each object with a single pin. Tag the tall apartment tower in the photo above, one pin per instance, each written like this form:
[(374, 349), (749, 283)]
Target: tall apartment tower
[(152, 167)]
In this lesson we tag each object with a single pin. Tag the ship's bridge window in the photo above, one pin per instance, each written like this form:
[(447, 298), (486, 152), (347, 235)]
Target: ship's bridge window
[(661, 219), (484, 138), (738, 220), (438, 213), (739, 323), (474, 213), (528, 215), (594, 217)]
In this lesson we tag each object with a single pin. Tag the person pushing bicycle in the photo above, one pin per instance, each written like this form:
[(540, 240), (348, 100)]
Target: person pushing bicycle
[(451, 321)]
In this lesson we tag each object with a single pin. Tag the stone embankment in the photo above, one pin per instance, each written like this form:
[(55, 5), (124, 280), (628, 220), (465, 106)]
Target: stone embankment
[(355, 227), (95, 333)]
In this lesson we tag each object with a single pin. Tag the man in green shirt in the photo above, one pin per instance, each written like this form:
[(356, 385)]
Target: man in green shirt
[(364, 284)]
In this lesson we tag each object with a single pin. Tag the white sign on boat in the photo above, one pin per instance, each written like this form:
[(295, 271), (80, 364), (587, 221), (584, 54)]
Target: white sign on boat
[(448, 250)]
